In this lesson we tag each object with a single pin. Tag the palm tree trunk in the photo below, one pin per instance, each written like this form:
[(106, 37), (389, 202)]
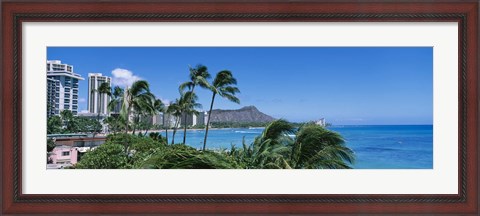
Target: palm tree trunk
[(173, 136), (166, 135), (185, 128), (146, 131), (185, 122), (134, 125), (175, 130), (127, 120), (165, 127), (208, 122)]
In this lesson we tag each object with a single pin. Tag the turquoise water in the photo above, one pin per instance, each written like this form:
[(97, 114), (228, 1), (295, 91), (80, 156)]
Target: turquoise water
[(375, 147)]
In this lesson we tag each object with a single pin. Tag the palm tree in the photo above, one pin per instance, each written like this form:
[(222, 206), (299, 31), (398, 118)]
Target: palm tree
[(166, 121), (223, 86), (103, 89), (313, 147), (188, 104), (115, 121), (158, 107), (175, 110), (136, 98), (116, 100), (316, 147), (66, 116), (271, 149), (68, 121), (198, 76), (141, 111)]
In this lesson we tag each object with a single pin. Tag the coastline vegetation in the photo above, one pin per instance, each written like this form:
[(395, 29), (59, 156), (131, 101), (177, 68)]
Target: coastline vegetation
[(311, 147)]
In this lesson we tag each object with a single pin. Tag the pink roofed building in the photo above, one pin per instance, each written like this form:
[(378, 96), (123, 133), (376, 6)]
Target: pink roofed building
[(64, 155)]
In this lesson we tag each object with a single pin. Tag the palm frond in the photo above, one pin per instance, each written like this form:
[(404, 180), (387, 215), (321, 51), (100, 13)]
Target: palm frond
[(277, 128), (230, 97), (314, 145), (186, 85), (139, 87)]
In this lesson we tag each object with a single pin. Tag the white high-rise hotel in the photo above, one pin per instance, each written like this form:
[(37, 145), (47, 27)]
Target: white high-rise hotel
[(62, 88), (97, 103)]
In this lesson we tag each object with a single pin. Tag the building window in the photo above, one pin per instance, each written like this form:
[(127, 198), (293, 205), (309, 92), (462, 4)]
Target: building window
[(65, 153), (66, 101), (78, 143), (57, 94), (67, 95), (66, 106)]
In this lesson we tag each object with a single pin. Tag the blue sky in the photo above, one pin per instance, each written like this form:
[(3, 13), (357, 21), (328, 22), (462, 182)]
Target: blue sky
[(355, 86)]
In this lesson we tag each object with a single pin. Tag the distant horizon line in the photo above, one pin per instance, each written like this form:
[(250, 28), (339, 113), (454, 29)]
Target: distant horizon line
[(381, 125)]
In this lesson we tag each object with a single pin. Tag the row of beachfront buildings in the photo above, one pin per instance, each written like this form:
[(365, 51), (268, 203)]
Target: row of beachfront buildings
[(63, 94), (63, 87)]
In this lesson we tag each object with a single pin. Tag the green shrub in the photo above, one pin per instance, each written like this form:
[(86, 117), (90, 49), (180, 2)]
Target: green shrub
[(106, 156), (184, 157)]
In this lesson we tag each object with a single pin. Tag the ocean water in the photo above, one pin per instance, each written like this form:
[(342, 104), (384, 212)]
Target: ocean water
[(375, 147)]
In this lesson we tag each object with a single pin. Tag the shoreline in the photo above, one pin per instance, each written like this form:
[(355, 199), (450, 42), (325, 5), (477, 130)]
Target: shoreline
[(192, 129), (171, 130)]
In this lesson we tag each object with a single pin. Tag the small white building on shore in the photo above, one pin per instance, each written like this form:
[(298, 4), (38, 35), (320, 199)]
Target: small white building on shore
[(321, 122)]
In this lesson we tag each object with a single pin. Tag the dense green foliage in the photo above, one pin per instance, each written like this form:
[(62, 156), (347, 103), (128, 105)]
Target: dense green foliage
[(67, 123), (113, 154), (180, 156), (50, 145), (106, 156), (312, 147), (54, 125)]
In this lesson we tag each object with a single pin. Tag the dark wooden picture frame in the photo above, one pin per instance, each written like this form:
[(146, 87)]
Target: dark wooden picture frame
[(465, 13)]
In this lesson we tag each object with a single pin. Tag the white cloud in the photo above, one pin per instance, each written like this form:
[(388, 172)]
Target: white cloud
[(123, 77), (82, 100), (165, 101)]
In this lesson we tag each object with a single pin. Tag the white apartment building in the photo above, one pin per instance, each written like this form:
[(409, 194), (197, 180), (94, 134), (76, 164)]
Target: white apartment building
[(97, 103), (193, 120), (52, 85), (65, 91)]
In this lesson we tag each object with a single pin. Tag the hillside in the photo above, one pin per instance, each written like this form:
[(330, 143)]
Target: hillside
[(245, 114)]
